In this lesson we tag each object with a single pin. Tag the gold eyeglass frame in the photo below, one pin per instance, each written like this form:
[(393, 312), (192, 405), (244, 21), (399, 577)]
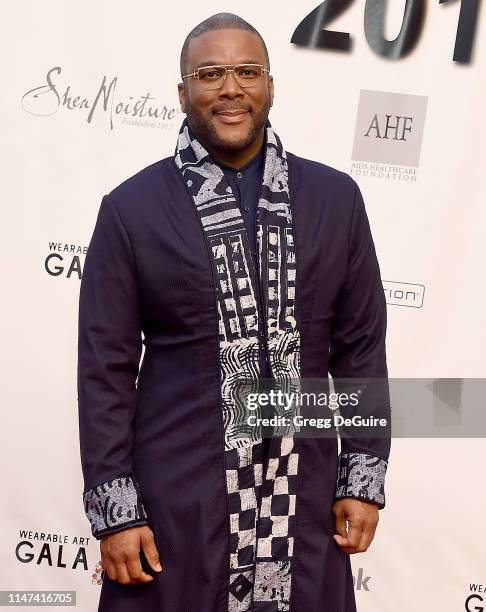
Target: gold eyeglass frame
[(195, 73)]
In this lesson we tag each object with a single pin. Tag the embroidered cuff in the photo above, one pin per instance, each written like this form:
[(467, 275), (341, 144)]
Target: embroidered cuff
[(114, 505), (362, 476)]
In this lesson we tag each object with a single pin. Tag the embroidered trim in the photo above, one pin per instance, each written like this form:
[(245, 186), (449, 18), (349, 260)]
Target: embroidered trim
[(113, 506), (362, 476)]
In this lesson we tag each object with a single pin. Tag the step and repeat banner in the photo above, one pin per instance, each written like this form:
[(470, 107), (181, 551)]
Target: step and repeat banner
[(391, 92)]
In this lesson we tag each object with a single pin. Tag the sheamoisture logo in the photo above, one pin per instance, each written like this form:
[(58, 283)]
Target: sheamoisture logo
[(47, 100)]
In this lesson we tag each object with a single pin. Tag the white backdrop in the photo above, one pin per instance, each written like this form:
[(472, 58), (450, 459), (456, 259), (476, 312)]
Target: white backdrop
[(429, 234)]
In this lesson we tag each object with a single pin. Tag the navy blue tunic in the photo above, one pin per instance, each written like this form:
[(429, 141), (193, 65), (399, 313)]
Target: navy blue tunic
[(148, 271)]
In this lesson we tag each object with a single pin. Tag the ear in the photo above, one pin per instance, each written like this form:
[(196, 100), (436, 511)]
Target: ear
[(182, 96), (270, 88)]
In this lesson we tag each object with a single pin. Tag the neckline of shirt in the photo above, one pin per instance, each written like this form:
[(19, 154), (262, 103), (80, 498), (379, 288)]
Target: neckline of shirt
[(254, 165)]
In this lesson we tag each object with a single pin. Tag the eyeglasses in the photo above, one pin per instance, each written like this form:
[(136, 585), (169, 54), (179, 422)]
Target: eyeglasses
[(213, 77)]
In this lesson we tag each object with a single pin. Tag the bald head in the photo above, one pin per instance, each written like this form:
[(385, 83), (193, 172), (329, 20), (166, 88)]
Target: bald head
[(220, 21)]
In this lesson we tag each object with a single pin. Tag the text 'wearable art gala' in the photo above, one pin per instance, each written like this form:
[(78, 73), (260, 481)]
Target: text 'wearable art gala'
[(261, 506)]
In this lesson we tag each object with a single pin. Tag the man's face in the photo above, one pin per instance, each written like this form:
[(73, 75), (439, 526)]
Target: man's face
[(230, 118)]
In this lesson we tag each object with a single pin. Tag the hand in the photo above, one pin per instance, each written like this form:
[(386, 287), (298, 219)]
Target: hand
[(362, 518), (120, 555)]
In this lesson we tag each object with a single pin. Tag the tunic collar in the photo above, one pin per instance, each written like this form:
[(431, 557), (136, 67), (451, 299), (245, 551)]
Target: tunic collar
[(251, 169)]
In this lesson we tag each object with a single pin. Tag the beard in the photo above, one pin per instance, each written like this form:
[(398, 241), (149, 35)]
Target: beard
[(204, 130)]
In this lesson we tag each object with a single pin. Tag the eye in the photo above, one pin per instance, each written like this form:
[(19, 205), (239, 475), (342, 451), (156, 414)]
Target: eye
[(210, 74), (248, 72)]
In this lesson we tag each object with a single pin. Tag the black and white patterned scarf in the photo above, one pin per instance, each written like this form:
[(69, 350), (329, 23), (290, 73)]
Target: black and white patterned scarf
[(261, 505)]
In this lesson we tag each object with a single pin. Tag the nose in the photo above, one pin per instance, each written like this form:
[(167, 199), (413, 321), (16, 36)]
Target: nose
[(230, 87)]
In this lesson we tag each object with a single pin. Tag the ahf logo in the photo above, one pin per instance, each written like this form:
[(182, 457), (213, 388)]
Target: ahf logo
[(389, 128), (395, 127)]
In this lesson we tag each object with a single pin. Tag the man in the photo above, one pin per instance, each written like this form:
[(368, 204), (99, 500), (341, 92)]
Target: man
[(235, 259)]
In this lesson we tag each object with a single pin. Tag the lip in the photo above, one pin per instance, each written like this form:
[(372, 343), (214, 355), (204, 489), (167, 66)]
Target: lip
[(232, 117)]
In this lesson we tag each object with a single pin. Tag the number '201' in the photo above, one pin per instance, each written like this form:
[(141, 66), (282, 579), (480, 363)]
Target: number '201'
[(310, 32)]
